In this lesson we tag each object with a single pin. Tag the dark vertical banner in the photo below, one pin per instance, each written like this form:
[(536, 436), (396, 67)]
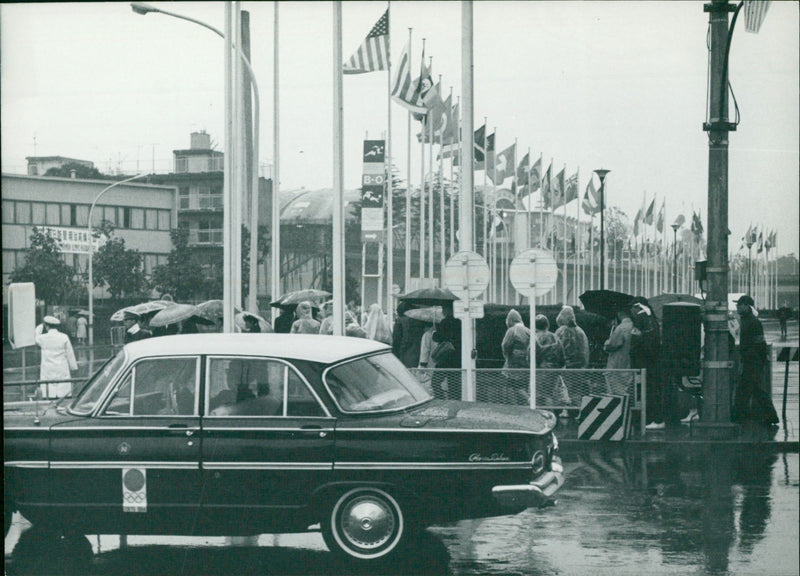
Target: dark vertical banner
[(373, 187)]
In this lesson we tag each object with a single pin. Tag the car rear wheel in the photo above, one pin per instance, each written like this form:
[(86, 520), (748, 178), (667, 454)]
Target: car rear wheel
[(365, 524)]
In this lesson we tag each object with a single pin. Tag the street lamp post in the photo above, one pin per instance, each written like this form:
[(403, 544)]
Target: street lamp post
[(143, 8), (675, 227), (601, 173), (91, 253)]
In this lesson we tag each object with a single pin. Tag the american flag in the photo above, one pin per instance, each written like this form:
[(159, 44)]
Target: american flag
[(405, 91), (373, 54)]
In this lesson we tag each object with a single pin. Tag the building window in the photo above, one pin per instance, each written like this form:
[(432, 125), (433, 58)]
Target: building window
[(9, 261), (180, 164), (54, 214), (151, 220), (126, 217), (137, 218), (23, 210), (38, 213), (81, 215), (163, 220), (68, 214), (110, 214), (183, 197), (8, 212)]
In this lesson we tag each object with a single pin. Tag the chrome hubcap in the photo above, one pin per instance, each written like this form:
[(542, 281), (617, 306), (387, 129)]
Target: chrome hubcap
[(368, 522)]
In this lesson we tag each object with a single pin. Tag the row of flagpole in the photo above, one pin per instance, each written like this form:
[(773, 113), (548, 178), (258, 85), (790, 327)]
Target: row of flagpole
[(645, 268)]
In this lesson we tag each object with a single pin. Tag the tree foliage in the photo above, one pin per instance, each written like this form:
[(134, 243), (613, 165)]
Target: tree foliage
[(182, 276), (117, 266), (81, 171), (54, 279)]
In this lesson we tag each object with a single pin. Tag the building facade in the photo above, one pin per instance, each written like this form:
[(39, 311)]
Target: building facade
[(142, 214), (39, 165)]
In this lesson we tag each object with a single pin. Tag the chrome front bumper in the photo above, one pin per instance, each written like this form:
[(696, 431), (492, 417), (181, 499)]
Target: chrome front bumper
[(536, 494)]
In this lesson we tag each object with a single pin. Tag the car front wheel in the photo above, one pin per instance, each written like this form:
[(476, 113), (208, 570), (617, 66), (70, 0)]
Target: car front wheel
[(365, 524)]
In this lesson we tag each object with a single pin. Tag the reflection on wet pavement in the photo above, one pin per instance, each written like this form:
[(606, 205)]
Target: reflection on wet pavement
[(672, 511)]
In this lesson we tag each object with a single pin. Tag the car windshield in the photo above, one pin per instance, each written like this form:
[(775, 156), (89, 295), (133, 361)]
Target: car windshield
[(374, 383), (97, 384)]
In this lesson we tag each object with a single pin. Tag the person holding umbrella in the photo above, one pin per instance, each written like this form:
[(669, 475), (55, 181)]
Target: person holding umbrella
[(305, 323), (133, 328)]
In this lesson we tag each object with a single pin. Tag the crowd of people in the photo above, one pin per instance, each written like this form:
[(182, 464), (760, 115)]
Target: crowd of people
[(429, 340)]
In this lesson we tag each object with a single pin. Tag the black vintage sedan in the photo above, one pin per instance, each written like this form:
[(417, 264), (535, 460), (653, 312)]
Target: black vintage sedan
[(240, 434)]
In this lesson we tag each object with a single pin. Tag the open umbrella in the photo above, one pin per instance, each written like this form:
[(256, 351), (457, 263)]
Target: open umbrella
[(141, 309), (429, 296), (177, 313), (263, 325), (212, 310), (605, 302), (432, 314), (657, 303), (309, 294)]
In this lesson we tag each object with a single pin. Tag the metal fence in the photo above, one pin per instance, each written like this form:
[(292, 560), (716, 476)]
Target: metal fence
[(557, 390)]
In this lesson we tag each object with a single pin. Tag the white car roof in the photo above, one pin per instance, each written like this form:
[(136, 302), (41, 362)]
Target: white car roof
[(311, 347)]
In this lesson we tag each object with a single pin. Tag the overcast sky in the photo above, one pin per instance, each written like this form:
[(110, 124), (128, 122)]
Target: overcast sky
[(618, 85)]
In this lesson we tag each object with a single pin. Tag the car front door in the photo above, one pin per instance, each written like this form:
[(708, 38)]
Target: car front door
[(268, 441), (137, 461)]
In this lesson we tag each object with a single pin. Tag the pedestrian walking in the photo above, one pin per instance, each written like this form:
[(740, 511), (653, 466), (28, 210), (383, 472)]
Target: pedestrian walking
[(645, 353), (549, 356), (573, 339), (377, 325), (447, 353), (751, 400), (426, 362), (407, 337), (305, 323), (516, 347), (618, 347), (58, 358), (326, 324), (81, 328), (784, 312), (284, 321)]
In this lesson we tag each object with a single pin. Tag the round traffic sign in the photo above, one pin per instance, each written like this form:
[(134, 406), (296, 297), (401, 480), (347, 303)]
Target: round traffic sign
[(533, 272), (466, 274)]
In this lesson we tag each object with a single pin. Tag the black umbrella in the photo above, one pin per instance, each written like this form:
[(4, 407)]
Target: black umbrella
[(605, 302), (657, 303), (429, 296)]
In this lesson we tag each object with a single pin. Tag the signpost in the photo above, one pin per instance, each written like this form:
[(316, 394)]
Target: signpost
[(466, 275), (533, 273)]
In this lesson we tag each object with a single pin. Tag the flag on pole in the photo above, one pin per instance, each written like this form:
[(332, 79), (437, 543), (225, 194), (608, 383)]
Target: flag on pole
[(571, 188), (591, 201), (636, 222), (557, 190), (760, 242), (535, 179), (546, 187), (523, 172), (503, 165), (648, 217), (405, 91), (438, 113), (489, 153), (373, 54), (424, 85), (697, 224), (450, 133), (660, 219)]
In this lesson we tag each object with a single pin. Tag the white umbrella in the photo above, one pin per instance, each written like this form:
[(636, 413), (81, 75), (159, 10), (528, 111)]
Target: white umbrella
[(432, 314)]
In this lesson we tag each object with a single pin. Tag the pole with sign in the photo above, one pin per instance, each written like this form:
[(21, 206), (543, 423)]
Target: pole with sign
[(466, 275), (533, 273)]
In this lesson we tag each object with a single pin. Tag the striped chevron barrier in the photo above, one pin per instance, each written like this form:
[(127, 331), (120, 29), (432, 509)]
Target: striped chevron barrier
[(603, 418)]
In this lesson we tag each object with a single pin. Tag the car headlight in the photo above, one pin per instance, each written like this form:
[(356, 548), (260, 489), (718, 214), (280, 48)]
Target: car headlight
[(538, 462)]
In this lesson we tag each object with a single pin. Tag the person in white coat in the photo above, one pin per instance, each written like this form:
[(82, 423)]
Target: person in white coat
[(58, 358)]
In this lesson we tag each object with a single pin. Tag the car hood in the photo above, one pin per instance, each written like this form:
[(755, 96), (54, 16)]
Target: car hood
[(454, 415), (27, 414)]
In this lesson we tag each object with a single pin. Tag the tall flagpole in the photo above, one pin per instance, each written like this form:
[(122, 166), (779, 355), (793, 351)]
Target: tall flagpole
[(275, 244), (591, 251), (457, 127), (338, 175), (576, 264), (484, 199), (564, 280), (422, 187), (429, 122), (442, 242), (389, 187), (408, 185)]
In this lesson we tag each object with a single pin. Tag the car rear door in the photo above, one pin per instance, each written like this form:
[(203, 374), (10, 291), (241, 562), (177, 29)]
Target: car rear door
[(267, 439), (140, 455)]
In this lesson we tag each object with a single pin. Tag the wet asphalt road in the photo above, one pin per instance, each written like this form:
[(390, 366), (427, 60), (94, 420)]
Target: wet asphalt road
[(621, 511)]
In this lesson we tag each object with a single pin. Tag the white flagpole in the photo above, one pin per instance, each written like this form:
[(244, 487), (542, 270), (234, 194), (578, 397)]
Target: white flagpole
[(275, 248), (442, 243), (564, 279), (485, 203), (429, 122), (457, 128), (576, 236), (422, 191), (338, 175), (389, 189), (408, 184)]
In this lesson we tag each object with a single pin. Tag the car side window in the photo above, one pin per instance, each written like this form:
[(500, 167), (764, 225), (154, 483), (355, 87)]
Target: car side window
[(300, 400), (162, 386), (245, 387)]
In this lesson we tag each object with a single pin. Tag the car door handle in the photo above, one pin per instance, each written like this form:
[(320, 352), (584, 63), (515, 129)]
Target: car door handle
[(181, 428), (314, 428)]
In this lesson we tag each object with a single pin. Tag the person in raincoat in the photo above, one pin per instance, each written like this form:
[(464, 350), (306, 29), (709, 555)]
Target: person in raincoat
[(305, 323), (58, 358), (573, 339), (516, 349), (550, 356), (377, 326), (618, 347), (407, 337)]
